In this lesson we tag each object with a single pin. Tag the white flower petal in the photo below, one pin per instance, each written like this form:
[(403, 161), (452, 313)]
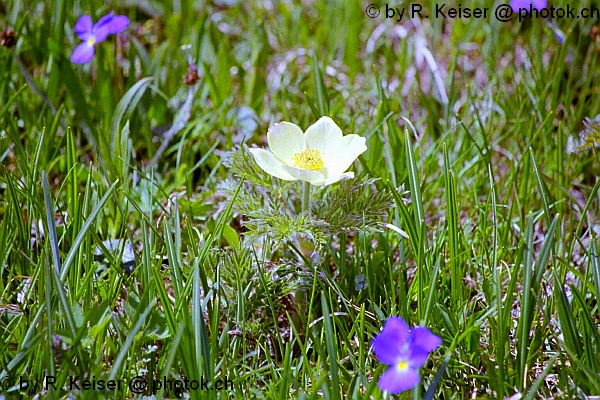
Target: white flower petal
[(286, 139), (270, 164), (334, 178), (349, 149), (304, 174), (324, 135)]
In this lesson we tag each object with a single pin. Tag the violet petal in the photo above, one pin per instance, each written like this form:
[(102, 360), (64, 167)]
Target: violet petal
[(422, 337), (391, 343), (417, 356), (104, 20), (396, 380), (110, 24), (83, 53), (83, 27), (118, 24), (525, 4)]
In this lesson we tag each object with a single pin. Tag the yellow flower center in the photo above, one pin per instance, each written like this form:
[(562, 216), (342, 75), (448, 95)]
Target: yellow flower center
[(309, 159), (91, 41), (402, 365)]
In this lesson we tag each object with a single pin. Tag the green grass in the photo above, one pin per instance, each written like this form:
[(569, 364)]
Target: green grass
[(473, 117)]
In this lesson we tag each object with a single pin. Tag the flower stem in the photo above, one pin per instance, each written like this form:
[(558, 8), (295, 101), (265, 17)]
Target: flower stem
[(306, 197)]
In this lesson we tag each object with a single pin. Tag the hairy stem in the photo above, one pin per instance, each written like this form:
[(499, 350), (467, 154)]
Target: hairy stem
[(306, 197)]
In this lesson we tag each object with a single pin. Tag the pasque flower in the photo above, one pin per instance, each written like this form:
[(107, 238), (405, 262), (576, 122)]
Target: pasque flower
[(405, 351), (96, 33), (320, 156)]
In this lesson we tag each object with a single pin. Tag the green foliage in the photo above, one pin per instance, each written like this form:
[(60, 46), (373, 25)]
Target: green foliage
[(589, 137), (348, 206), (353, 205), (281, 227), (242, 164), (500, 160), (247, 286)]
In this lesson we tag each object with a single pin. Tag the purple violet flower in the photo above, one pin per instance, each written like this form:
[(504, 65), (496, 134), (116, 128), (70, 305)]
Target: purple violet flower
[(405, 351), (92, 34), (516, 5)]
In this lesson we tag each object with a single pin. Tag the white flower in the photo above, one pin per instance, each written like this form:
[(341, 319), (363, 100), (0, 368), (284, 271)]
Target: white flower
[(319, 156)]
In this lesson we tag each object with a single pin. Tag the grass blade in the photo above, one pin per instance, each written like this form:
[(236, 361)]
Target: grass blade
[(413, 181), (331, 348)]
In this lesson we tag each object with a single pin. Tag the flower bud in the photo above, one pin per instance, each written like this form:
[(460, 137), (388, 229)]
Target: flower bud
[(8, 37), (192, 76)]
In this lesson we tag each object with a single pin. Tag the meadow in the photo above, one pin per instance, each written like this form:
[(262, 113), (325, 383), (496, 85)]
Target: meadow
[(150, 249)]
